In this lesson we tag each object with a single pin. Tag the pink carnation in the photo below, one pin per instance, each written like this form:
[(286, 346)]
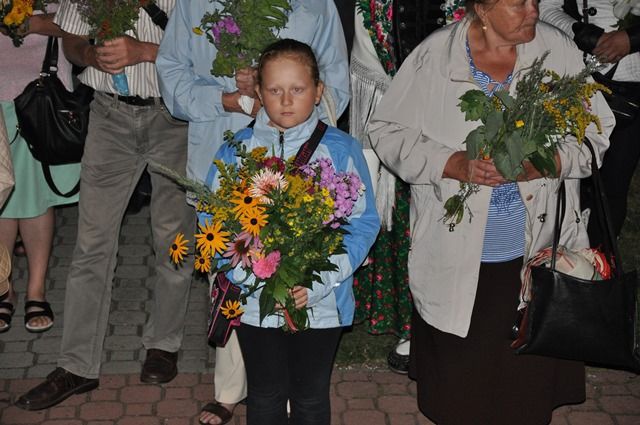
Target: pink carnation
[(265, 267)]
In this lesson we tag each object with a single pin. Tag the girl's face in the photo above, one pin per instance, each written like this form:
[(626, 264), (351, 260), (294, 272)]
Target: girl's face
[(288, 92)]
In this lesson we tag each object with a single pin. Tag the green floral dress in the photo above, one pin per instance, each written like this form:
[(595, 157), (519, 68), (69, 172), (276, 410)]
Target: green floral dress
[(381, 289)]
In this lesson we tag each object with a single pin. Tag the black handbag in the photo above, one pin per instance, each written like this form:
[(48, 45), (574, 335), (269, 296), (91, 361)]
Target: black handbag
[(579, 319), (624, 99), (225, 311), (52, 120)]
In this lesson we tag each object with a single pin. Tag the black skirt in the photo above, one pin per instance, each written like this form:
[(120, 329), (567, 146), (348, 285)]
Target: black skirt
[(479, 379)]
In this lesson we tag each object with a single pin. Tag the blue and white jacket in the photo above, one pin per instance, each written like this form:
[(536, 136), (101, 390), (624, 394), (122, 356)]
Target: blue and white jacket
[(331, 302)]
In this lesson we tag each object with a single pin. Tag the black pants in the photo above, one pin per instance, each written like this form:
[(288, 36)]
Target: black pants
[(618, 166), (283, 366)]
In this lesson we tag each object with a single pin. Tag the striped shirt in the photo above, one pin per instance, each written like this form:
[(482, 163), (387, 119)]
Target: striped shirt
[(504, 233), (142, 77)]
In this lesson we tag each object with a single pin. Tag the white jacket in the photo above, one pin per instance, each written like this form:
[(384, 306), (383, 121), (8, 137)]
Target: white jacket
[(418, 126)]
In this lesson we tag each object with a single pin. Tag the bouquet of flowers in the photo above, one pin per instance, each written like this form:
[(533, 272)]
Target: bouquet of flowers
[(528, 127), (241, 30), (13, 13), (111, 19), (275, 221)]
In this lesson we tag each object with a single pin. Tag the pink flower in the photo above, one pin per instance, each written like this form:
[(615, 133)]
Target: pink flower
[(264, 182), (239, 250), (458, 14), (265, 267)]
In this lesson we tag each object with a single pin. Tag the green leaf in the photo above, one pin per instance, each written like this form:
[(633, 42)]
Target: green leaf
[(474, 103), (513, 143), (475, 141), (505, 98), (494, 123)]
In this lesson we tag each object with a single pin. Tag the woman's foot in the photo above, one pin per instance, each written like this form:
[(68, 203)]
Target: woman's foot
[(216, 413), (6, 312), (398, 358), (38, 316)]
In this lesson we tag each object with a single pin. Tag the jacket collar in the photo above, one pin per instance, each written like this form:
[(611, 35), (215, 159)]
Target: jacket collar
[(294, 137), (456, 65)]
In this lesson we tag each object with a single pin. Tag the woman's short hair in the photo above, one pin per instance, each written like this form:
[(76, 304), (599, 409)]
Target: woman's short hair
[(293, 49)]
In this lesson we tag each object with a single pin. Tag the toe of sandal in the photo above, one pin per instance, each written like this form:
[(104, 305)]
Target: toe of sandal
[(219, 410), (6, 317), (35, 309)]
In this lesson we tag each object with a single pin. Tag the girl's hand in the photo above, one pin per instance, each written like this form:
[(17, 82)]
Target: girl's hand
[(478, 171), (300, 296)]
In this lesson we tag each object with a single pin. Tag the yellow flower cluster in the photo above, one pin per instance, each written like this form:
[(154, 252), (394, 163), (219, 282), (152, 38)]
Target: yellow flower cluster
[(20, 10)]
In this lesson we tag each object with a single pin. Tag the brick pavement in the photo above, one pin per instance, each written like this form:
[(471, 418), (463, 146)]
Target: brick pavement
[(359, 396)]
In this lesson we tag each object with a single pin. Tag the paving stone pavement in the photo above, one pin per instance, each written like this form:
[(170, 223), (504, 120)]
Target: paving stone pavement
[(359, 396)]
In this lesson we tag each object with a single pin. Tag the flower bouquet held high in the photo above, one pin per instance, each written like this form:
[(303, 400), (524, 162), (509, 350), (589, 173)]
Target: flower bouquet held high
[(111, 19), (241, 30), (275, 222), (546, 109), (14, 14)]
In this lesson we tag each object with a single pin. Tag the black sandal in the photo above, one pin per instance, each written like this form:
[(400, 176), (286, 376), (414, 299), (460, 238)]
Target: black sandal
[(398, 363), (219, 410), (44, 310), (6, 317)]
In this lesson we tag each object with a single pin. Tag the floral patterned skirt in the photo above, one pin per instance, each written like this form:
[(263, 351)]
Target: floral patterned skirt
[(381, 288)]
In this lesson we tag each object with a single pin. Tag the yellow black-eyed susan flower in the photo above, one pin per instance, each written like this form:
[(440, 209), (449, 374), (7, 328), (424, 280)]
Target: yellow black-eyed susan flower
[(212, 239), (203, 263), (231, 309), (253, 220), (243, 202), (178, 248)]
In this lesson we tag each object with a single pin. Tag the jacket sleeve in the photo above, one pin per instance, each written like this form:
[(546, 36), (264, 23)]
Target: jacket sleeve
[(396, 128), (551, 12), (188, 95), (330, 48), (363, 228)]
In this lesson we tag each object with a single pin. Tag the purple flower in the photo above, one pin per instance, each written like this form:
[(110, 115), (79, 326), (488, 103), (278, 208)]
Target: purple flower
[(230, 25)]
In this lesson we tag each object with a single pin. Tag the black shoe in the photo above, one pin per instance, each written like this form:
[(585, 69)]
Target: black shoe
[(160, 367), (57, 387), (398, 363)]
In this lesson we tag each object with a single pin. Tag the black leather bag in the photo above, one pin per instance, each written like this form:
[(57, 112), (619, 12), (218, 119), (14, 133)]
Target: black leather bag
[(53, 120), (624, 99), (225, 311), (579, 319)]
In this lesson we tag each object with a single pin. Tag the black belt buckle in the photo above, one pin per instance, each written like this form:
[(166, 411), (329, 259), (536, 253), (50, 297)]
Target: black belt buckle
[(135, 100)]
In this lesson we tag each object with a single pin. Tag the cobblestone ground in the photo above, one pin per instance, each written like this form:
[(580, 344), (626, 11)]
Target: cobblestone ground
[(359, 396)]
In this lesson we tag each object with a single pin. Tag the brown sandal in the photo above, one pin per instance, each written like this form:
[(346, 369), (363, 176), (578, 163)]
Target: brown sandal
[(219, 410)]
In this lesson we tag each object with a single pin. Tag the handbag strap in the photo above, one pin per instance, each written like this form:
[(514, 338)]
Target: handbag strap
[(601, 211), (559, 218), (52, 185), (309, 147), (157, 15), (50, 62)]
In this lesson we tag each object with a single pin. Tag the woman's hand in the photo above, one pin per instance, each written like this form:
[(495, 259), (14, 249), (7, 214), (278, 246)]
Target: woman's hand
[(479, 171), (246, 80), (531, 173)]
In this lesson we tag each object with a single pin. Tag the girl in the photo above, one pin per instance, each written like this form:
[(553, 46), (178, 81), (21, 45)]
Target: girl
[(297, 366)]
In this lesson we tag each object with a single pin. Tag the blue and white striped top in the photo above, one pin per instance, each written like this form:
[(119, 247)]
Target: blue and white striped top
[(504, 234)]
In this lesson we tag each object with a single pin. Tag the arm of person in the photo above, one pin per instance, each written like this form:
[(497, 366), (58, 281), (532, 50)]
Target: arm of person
[(330, 48), (363, 228), (188, 95), (43, 25)]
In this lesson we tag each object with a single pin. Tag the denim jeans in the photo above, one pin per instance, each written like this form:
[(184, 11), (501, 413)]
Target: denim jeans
[(283, 366)]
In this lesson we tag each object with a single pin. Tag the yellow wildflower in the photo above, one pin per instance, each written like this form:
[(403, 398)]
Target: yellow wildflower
[(178, 248)]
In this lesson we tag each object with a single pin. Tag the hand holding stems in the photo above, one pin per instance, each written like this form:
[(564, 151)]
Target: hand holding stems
[(476, 171), (246, 81), (112, 56), (300, 297)]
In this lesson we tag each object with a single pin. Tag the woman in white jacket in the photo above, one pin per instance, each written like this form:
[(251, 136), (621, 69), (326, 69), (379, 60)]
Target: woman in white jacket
[(465, 283)]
